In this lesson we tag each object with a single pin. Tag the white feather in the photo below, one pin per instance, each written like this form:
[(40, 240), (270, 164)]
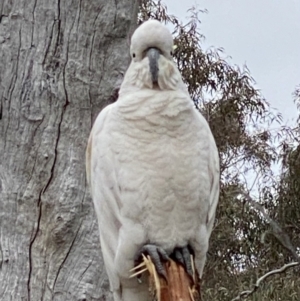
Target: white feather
[(153, 168)]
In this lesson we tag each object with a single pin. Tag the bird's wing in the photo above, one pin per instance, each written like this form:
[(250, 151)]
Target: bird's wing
[(97, 129), (214, 172), (101, 177)]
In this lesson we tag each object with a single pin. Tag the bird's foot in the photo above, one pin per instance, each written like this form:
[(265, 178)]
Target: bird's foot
[(185, 257), (158, 256)]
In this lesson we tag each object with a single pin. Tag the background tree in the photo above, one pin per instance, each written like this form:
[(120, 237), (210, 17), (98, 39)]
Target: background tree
[(60, 63)]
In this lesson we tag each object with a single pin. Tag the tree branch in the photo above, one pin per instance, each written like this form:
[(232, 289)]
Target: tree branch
[(282, 237), (277, 231), (246, 294)]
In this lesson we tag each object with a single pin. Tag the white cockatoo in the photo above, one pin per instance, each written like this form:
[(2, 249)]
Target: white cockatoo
[(153, 168)]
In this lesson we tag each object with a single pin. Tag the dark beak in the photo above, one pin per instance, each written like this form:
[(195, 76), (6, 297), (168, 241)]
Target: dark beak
[(153, 55)]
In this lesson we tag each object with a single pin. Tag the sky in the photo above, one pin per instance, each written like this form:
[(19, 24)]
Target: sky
[(264, 35)]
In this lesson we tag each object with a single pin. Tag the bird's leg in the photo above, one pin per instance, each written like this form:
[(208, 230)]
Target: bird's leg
[(184, 256), (158, 256)]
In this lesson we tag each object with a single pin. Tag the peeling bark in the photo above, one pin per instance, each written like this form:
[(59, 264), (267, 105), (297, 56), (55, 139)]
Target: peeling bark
[(60, 64)]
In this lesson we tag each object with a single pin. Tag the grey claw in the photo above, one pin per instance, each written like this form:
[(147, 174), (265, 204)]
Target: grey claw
[(158, 256), (183, 257)]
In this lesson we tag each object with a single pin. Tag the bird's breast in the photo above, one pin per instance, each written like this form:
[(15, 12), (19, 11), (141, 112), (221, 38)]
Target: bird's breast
[(163, 175)]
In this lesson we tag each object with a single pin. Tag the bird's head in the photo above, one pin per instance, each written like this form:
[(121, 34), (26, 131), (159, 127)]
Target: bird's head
[(151, 40), (152, 63)]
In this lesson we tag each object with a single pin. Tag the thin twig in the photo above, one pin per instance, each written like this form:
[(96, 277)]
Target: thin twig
[(245, 294), (257, 175)]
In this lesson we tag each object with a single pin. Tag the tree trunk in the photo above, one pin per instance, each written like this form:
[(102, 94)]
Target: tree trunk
[(60, 63)]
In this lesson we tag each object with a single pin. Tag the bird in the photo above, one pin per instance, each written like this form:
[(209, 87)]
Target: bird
[(152, 165)]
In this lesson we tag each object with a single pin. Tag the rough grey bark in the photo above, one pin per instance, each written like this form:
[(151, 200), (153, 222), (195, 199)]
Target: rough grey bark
[(60, 62)]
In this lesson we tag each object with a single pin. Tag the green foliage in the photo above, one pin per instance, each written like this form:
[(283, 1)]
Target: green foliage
[(250, 140)]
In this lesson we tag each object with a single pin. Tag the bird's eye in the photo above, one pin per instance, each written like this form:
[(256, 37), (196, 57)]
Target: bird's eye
[(133, 55), (171, 52)]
